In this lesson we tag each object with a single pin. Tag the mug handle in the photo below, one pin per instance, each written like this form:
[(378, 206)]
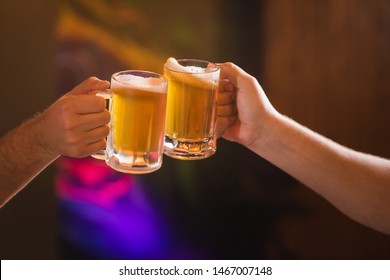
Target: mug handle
[(106, 94)]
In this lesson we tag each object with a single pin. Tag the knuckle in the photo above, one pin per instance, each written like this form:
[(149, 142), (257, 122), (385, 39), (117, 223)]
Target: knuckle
[(230, 65), (67, 104), (68, 125), (92, 80)]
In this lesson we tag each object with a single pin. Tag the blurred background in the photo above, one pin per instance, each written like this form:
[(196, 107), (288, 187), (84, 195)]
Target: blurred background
[(322, 63)]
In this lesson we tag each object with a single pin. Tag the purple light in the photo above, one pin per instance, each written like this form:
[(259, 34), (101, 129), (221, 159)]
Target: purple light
[(107, 214)]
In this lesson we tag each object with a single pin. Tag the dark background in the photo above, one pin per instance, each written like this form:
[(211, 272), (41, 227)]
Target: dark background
[(323, 63)]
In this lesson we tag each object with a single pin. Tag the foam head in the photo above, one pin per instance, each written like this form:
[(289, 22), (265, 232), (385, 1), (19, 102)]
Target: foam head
[(133, 81), (195, 75)]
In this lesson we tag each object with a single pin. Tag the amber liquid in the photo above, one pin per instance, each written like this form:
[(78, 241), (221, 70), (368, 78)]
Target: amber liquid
[(191, 117), (137, 126)]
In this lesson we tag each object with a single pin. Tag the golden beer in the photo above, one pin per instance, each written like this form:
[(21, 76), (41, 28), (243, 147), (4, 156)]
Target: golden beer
[(135, 143), (137, 120), (191, 109)]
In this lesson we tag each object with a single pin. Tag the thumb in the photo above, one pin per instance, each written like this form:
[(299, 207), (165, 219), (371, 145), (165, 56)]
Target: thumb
[(232, 72), (89, 86)]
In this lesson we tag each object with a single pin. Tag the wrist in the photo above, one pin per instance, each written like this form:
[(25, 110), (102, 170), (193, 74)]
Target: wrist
[(38, 133), (266, 132)]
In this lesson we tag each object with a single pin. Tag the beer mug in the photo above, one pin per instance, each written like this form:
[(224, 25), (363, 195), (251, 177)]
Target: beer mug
[(191, 108), (137, 107)]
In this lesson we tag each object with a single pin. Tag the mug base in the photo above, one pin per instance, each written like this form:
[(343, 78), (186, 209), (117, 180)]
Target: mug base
[(135, 168), (185, 149)]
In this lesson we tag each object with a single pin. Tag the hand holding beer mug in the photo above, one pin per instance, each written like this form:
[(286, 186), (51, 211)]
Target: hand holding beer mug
[(191, 108), (137, 106)]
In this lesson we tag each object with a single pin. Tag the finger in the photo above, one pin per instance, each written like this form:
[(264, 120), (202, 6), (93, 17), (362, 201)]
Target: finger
[(95, 147), (225, 98), (88, 104), (90, 121), (227, 110), (223, 123), (97, 134), (231, 72), (226, 86), (89, 149), (89, 86)]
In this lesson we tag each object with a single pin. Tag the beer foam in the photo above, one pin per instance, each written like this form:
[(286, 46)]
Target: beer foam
[(172, 64), (138, 82), (202, 77)]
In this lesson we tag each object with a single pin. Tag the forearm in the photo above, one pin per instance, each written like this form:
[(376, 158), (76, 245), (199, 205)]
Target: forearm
[(21, 158), (358, 184)]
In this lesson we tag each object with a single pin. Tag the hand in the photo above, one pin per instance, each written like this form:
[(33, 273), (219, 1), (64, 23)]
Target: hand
[(244, 111), (227, 109), (76, 124)]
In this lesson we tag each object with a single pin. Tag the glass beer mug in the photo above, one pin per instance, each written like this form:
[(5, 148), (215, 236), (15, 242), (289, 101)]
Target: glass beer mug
[(137, 107), (191, 108)]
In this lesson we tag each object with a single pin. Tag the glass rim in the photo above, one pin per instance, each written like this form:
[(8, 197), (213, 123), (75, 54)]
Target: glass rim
[(141, 73), (205, 62)]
